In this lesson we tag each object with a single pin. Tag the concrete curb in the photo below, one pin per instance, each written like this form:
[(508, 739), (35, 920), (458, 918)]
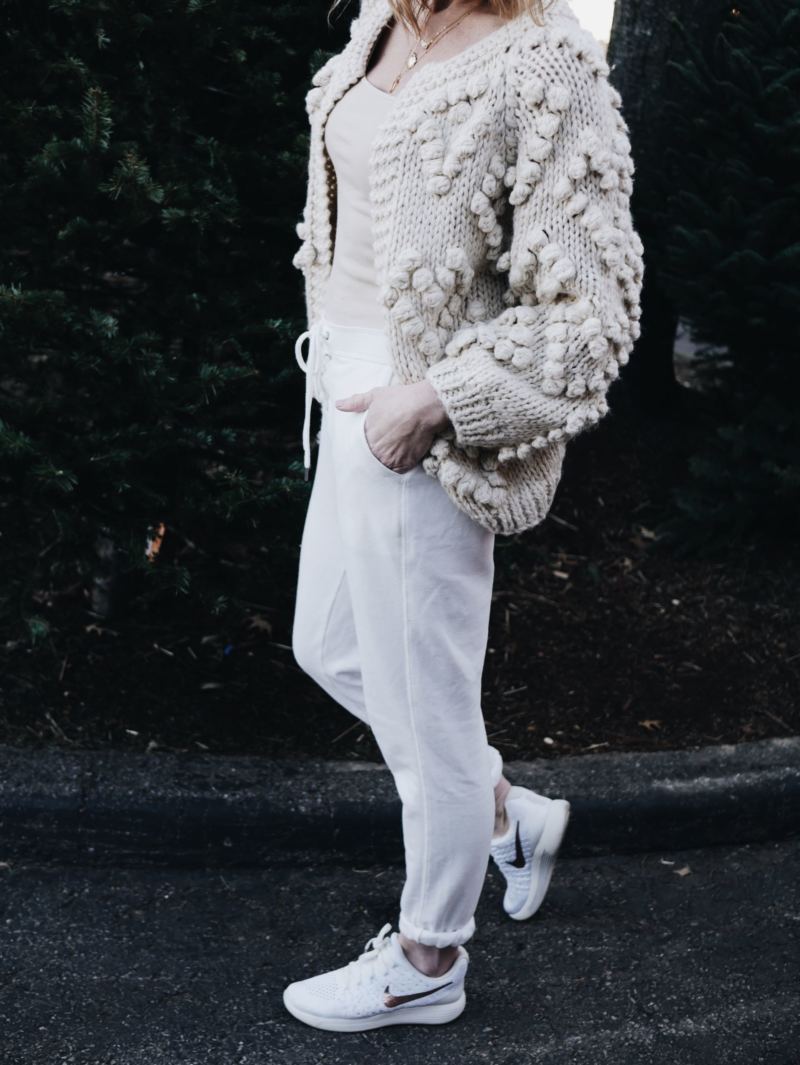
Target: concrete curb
[(113, 808)]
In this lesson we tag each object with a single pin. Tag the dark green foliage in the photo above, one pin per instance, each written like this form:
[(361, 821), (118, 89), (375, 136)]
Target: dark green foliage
[(152, 170), (730, 254)]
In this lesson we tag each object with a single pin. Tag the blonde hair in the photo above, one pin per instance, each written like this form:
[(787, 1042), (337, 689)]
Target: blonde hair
[(408, 11)]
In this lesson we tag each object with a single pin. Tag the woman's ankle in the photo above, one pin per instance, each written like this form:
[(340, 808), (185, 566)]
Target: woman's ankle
[(431, 961)]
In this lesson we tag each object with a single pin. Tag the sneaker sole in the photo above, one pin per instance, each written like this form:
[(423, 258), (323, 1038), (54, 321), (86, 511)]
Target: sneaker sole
[(441, 1013), (544, 858)]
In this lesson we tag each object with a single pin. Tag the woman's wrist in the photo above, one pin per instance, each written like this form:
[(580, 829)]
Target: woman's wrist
[(431, 411)]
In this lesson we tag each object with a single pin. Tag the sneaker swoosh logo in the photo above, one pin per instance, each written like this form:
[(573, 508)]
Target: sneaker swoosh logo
[(519, 859), (391, 1000)]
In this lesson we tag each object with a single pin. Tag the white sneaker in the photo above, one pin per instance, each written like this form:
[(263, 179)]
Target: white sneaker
[(380, 987), (526, 853)]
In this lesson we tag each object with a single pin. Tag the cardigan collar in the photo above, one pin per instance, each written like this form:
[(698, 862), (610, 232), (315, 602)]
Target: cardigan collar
[(375, 16)]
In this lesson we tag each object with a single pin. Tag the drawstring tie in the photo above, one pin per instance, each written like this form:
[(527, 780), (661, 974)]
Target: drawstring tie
[(311, 368)]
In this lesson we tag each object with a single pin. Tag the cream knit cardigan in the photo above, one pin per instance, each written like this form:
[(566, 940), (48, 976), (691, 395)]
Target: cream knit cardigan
[(506, 256)]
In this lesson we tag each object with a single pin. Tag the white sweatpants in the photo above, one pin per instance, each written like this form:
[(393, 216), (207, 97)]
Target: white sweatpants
[(391, 619)]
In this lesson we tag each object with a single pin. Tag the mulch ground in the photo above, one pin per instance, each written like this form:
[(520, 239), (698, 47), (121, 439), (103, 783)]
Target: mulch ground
[(602, 639)]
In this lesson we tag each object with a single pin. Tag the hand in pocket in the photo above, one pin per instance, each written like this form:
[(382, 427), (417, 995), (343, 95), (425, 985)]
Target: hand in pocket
[(401, 422)]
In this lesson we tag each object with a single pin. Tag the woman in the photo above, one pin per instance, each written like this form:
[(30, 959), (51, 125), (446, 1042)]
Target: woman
[(472, 285)]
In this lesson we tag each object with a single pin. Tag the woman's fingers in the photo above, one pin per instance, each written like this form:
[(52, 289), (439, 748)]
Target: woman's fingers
[(357, 402)]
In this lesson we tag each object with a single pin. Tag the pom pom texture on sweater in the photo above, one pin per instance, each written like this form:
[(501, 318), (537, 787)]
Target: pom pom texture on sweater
[(508, 265)]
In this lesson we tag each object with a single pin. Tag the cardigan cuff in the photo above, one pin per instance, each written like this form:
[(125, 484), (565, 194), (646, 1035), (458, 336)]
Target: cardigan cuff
[(463, 396), (491, 406)]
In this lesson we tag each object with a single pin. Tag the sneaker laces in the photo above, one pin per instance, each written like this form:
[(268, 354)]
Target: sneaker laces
[(375, 959)]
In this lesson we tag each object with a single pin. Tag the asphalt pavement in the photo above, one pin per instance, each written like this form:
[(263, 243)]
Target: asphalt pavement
[(675, 958)]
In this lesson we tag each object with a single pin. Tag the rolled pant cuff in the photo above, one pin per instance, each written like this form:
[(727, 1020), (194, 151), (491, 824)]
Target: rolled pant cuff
[(436, 939)]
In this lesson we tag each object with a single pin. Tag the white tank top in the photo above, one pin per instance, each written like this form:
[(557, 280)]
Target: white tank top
[(351, 294)]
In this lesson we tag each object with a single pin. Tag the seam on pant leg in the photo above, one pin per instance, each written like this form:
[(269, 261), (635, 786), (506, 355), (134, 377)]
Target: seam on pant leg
[(410, 689), (347, 704), (326, 626)]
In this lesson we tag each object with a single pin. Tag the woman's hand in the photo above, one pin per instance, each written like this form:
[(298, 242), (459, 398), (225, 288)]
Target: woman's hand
[(402, 421)]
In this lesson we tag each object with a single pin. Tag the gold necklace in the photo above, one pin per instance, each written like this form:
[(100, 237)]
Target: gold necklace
[(412, 57)]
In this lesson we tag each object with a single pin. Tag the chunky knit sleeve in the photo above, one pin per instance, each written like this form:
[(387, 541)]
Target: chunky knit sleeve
[(539, 371)]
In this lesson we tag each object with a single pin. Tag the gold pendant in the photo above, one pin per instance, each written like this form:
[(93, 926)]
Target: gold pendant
[(412, 60)]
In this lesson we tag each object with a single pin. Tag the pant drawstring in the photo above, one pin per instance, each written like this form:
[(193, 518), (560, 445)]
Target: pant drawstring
[(310, 367)]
